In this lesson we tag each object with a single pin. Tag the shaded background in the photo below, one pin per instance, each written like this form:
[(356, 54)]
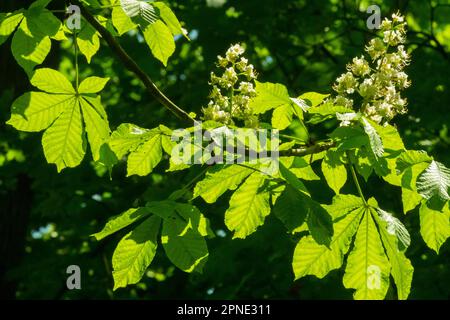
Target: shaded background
[(46, 218)]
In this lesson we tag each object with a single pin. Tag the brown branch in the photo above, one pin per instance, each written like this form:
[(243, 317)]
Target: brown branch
[(300, 152), (133, 66)]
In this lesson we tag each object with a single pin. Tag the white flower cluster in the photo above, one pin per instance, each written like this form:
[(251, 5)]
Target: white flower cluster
[(377, 83), (231, 93)]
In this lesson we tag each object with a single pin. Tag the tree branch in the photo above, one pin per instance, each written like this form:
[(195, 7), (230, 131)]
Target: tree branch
[(300, 152), (133, 67)]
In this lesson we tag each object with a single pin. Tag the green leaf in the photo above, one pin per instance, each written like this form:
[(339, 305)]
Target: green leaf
[(186, 248), (303, 170), (139, 10), (121, 221), (395, 227), (92, 85), (291, 179), (313, 99), (248, 207), (434, 181), (121, 21), (410, 158), (405, 168), (319, 222), (195, 219), (127, 138), (65, 116), (289, 209), (389, 135), (434, 226), (220, 179), (305, 173), (51, 81), (282, 116), (349, 138), (160, 40), (410, 200), (401, 268), (374, 138), (88, 41), (135, 252), (145, 158), (8, 23), (269, 96), (29, 49), (362, 163), (169, 18), (97, 127), (323, 112), (311, 258), (368, 268), (343, 204), (334, 171), (64, 142), (36, 111)]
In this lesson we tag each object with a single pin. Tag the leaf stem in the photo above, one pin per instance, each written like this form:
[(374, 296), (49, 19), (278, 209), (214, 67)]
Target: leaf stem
[(292, 138), (355, 179), (75, 42)]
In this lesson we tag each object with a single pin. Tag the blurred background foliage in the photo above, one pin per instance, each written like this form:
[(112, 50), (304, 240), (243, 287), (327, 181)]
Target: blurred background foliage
[(46, 218)]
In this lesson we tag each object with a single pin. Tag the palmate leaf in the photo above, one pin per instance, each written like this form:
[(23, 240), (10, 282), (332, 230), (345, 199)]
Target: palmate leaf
[(434, 226), (220, 179), (368, 268), (311, 258), (434, 181), (249, 207), (135, 252), (64, 115), (182, 236)]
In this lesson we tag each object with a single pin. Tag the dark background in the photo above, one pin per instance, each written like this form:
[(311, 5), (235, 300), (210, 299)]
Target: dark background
[(46, 218)]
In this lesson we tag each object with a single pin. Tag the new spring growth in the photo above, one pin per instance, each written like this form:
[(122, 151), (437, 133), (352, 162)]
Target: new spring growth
[(232, 91), (377, 79)]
